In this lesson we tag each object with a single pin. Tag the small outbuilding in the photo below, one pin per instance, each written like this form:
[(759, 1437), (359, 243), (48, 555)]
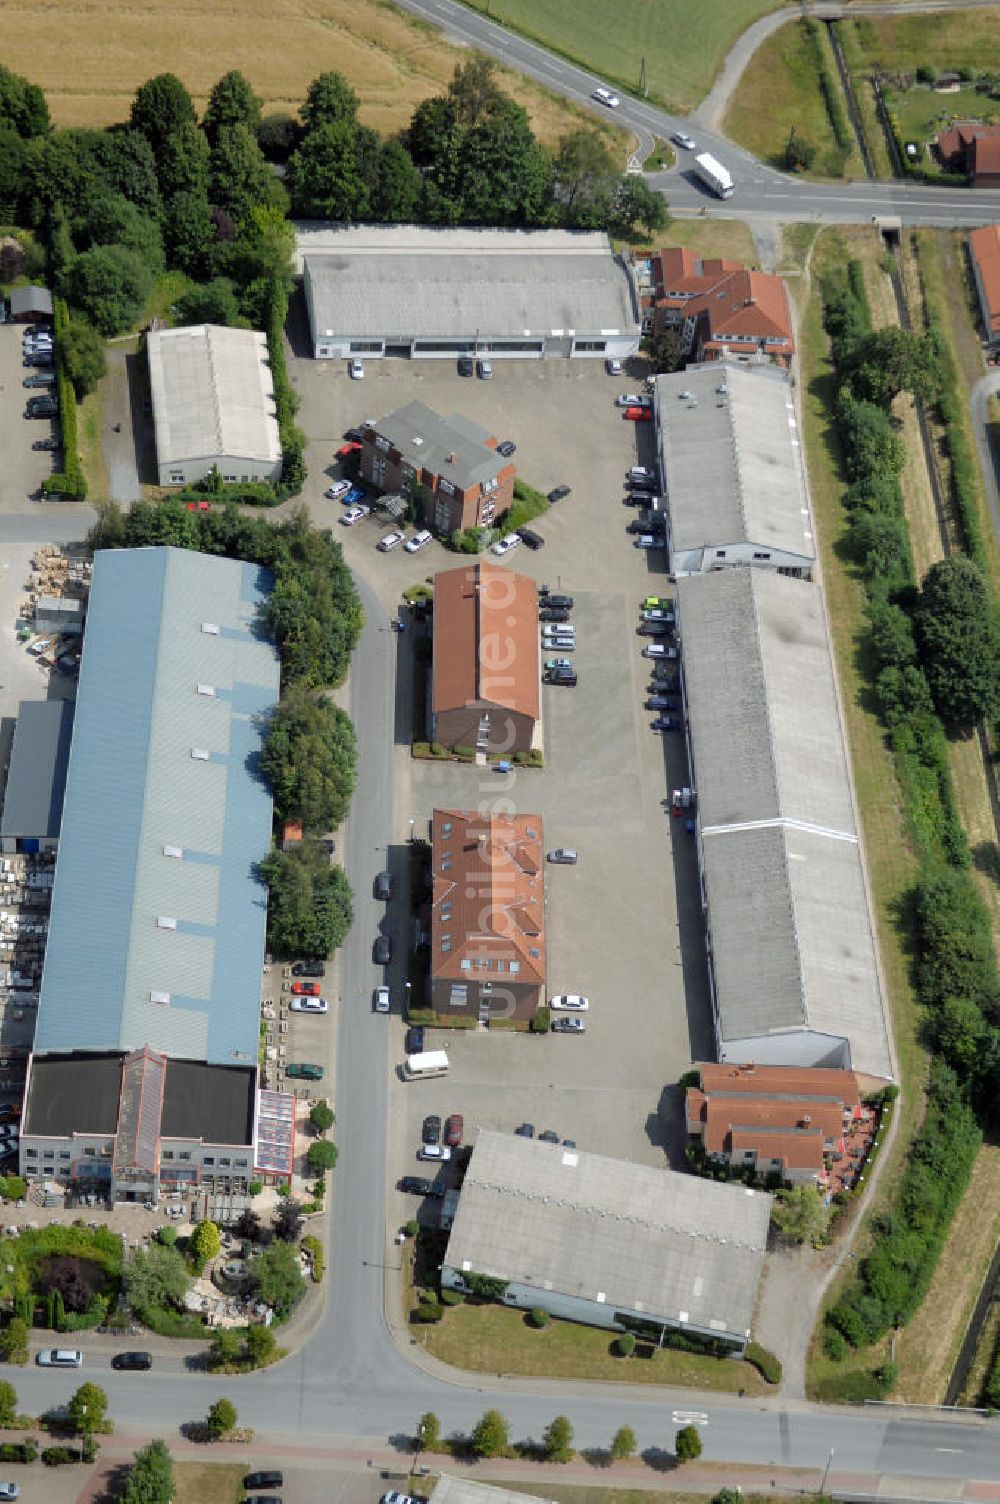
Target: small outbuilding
[(36, 779), (30, 303)]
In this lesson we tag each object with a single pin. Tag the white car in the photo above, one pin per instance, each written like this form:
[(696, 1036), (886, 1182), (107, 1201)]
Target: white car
[(390, 541), (504, 545), (10, 1491), (438, 1152), (681, 138), (309, 1005), (337, 490), (613, 366), (354, 514), (381, 1000), (357, 370), (417, 542), (632, 399), (569, 1002), (605, 97)]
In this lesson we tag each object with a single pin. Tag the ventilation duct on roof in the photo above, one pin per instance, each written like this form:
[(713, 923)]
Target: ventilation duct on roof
[(200, 754), (211, 628)]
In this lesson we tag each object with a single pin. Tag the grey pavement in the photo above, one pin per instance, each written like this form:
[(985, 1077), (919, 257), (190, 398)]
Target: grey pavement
[(121, 425), (988, 386)]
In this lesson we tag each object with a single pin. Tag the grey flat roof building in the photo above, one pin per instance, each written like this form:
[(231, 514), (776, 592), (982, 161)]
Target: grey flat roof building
[(602, 1238), (793, 958), (156, 932), (732, 467), (36, 779), (26, 302), (436, 289)]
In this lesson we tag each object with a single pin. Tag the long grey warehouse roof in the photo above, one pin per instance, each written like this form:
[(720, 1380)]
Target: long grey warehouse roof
[(33, 799), (425, 281), (156, 932), (731, 458), (791, 929), (213, 394), (630, 1236)]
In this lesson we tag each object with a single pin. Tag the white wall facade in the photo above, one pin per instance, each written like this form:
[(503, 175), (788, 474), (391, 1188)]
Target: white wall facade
[(702, 559), (231, 467)]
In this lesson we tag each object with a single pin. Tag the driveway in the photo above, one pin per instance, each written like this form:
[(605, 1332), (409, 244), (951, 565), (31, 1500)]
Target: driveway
[(23, 468)]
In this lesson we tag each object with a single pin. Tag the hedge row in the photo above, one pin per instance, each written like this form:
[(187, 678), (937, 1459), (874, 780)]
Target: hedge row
[(286, 400), (71, 481), (828, 87), (963, 495)]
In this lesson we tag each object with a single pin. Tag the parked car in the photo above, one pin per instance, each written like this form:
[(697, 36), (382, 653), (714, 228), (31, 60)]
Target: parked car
[(353, 515), (309, 969), (558, 493), (41, 407), (681, 138), (415, 1185), (530, 538), (309, 1005), (666, 723), (415, 1041), (661, 650), (657, 602), (525, 1130), (436, 1153), (306, 989), (10, 1490), (605, 97), (660, 615), (557, 663), (564, 644), (133, 1362), (337, 490), (395, 1497), (568, 1026), (431, 1132), (548, 1137), (613, 366), (565, 677), (569, 1002), (59, 1357), (564, 601), (553, 613), (305, 1072), (346, 450), (454, 1127), (654, 629), (465, 366), (563, 856), (389, 541), (639, 473), (418, 541), (47, 444), (382, 950), (638, 415), (662, 702), (484, 370), (263, 1480), (559, 629), (41, 379), (504, 545), (356, 370), (355, 435), (628, 399), (649, 540), (38, 358), (507, 448), (383, 887), (355, 495), (382, 1002)]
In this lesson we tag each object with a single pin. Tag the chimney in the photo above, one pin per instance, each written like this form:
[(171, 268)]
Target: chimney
[(452, 457)]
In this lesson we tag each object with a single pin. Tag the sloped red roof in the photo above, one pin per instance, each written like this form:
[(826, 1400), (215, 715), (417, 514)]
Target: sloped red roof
[(986, 154), (751, 304), (486, 639), (984, 245), (680, 274), (488, 915)]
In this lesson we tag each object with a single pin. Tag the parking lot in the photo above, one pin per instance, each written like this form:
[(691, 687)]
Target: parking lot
[(624, 925), (23, 468)]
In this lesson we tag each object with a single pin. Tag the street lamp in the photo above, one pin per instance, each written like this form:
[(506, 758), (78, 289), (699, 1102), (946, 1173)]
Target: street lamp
[(826, 1472)]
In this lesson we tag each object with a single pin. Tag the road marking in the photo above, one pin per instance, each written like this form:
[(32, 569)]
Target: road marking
[(947, 1449), (690, 1418)]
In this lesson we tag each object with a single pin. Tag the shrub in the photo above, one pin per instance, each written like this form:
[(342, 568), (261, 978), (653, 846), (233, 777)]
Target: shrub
[(765, 1362), (317, 1262), (321, 1156), (452, 1297), (540, 1020), (321, 1117), (412, 1228), (13, 1187), (221, 1418), (834, 1344), (167, 1236), (19, 1451), (428, 1311), (624, 1345), (539, 1317), (57, 1456)]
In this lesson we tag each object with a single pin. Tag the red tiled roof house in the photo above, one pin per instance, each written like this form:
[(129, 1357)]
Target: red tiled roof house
[(984, 253), (721, 307)]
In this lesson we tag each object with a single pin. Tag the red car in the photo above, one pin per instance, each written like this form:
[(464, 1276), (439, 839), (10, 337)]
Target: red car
[(199, 506), (639, 414), (453, 1130), (346, 450), (305, 989)]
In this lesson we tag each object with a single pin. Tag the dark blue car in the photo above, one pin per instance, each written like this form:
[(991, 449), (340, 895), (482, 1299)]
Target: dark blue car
[(354, 495)]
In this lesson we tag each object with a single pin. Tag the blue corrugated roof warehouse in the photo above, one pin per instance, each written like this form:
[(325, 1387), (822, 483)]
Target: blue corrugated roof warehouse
[(157, 927)]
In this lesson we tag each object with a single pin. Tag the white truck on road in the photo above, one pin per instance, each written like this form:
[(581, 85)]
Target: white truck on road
[(714, 175)]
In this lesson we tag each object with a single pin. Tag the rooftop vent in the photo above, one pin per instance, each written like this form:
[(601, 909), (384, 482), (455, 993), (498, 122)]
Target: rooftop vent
[(207, 689), (166, 922), (175, 851), (210, 628), (159, 997), (200, 754)]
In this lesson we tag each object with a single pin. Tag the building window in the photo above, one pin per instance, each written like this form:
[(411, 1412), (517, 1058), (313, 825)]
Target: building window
[(49, 1154), (208, 1160), (64, 1154), (459, 995), (184, 1154), (591, 344), (167, 1154), (32, 1153), (176, 478), (223, 1161), (230, 478), (366, 347), (242, 1163), (90, 1153), (446, 486), (762, 556)]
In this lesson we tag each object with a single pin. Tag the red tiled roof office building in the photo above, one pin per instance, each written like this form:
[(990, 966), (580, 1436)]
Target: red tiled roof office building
[(488, 914), (486, 687), (808, 1125), (719, 306), (984, 253)]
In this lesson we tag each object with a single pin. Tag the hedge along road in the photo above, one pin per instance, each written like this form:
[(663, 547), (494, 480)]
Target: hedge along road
[(351, 1382)]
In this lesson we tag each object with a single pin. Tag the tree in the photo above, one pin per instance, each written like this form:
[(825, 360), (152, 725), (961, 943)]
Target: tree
[(325, 175), (64, 1275), (231, 102), (309, 910), (558, 1439), (221, 1419), (162, 107), (22, 105), (14, 159), (87, 1409), (151, 1477), (239, 178), (309, 758), (474, 91), (110, 219), (668, 348), (182, 163), (330, 100), (208, 303), (224, 1349), (82, 351), (260, 1345), (189, 230), (109, 285), (277, 1278), (277, 136), (636, 203), (959, 646), (889, 361), (248, 1225), (321, 1156), (504, 175), (585, 178), (491, 1435), (799, 1214), (122, 162), (206, 1243), (428, 1431), (8, 1403), (288, 1220), (623, 1444), (321, 1117), (687, 1444), (14, 1338), (882, 547), (156, 1279), (798, 153), (398, 184)]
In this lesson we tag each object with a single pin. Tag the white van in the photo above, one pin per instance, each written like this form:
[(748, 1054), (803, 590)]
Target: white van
[(60, 1357), (429, 1063)]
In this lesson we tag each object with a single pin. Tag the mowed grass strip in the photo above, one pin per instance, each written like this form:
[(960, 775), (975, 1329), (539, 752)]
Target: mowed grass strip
[(682, 45), (390, 60), (953, 38), (208, 1482), (729, 238)]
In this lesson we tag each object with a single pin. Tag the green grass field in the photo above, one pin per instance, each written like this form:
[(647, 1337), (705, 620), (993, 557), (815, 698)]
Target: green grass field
[(683, 44)]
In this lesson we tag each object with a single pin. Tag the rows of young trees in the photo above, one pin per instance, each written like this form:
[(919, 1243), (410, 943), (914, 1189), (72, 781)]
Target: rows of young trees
[(932, 656)]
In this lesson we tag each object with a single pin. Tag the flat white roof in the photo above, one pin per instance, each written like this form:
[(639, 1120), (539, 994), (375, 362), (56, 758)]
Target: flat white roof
[(213, 395)]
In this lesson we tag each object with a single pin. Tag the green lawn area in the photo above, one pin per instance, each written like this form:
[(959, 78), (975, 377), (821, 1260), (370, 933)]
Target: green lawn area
[(493, 1339), (683, 45), (208, 1482), (923, 113), (779, 90), (951, 39)]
